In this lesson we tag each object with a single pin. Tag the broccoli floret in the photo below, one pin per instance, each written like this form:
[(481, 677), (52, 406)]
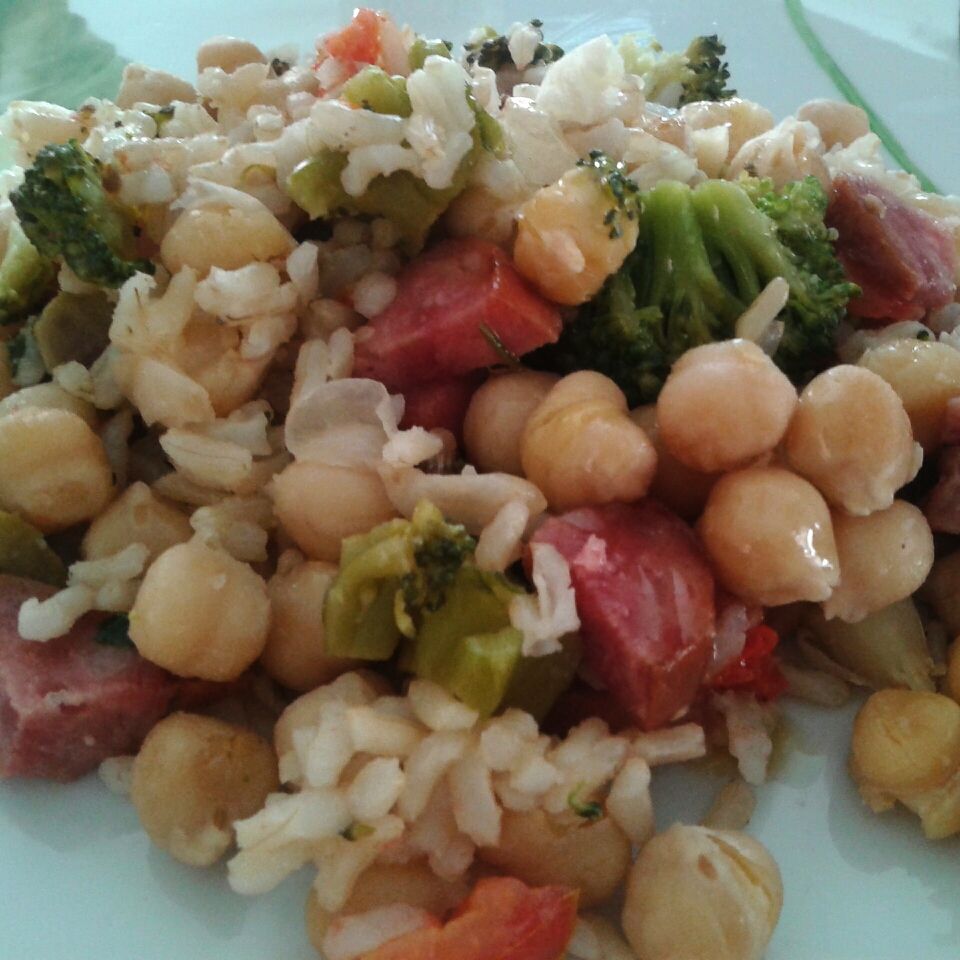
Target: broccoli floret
[(707, 71), (487, 48), (26, 277), (438, 559), (703, 255), (67, 212), (674, 79)]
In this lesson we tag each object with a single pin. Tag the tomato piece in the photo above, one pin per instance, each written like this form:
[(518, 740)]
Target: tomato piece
[(359, 40), (501, 919), (448, 303), (442, 403), (755, 670), (645, 596)]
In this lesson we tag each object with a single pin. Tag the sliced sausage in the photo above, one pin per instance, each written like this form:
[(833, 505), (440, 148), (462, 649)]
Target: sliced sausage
[(455, 306), (903, 261), (645, 596), (69, 703)]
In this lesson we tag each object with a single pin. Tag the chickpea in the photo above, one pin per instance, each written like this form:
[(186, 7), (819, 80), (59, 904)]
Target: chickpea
[(193, 777), (952, 679), (696, 893), (382, 884), (294, 655), (54, 469), (852, 439), (200, 613), (140, 84), (883, 558), (497, 415), (906, 747), (770, 537), (227, 53), (581, 447), (682, 489), (49, 396), (566, 244), (319, 505), (723, 405), (925, 376), (837, 121), (136, 516), (227, 238), (542, 850), (942, 591)]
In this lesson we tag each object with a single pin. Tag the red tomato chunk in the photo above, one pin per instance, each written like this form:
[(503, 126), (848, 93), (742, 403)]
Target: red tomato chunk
[(359, 40), (755, 670), (502, 919), (446, 300), (645, 596)]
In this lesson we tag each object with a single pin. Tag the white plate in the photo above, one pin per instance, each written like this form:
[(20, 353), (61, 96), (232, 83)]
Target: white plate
[(79, 880)]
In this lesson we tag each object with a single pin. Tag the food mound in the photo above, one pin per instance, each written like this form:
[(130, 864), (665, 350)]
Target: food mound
[(405, 450)]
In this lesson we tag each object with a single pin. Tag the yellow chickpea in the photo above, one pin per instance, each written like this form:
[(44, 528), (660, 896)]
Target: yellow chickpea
[(851, 438), (723, 405), (837, 121), (769, 535), (193, 777), (696, 893), (319, 505), (200, 613), (226, 238), (942, 591), (53, 469), (884, 557), (542, 850), (383, 884), (581, 447), (681, 488), (495, 420), (906, 747), (925, 376), (49, 396), (567, 243), (136, 516), (294, 655), (227, 53)]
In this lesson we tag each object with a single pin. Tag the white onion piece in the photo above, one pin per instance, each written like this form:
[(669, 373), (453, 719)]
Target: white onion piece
[(472, 499)]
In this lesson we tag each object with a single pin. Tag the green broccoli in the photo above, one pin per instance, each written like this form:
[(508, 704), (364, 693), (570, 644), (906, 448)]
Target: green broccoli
[(703, 255), (674, 79), (26, 277), (708, 72), (489, 49), (415, 581), (67, 212), (414, 207)]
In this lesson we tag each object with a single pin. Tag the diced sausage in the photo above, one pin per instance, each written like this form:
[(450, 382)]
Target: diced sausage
[(69, 703), (645, 596), (903, 261), (452, 304), (440, 403)]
